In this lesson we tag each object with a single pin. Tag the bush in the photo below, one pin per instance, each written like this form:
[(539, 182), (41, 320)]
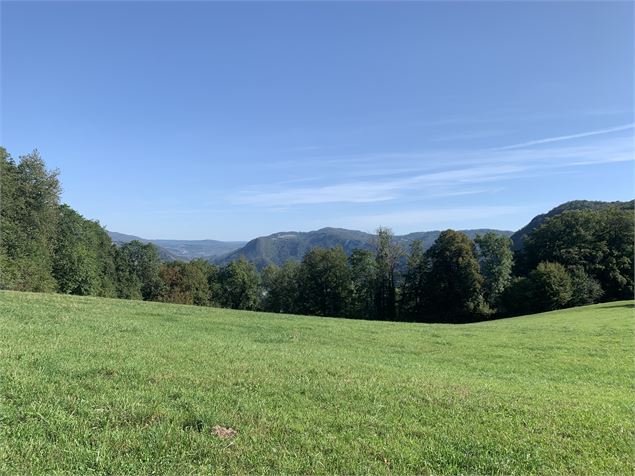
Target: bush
[(551, 286), (517, 299), (586, 290)]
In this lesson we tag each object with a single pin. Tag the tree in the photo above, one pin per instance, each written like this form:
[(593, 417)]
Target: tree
[(29, 199), (548, 287), (239, 285), (75, 265), (584, 289), (363, 272), (616, 231), (454, 293), (517, 299), (8, 220), (137, 267), (598, 241), (387, 255), (281, 287), (105, 252), (496, 261), (414, 284), (551, 287), (324, 282), (186, 283)]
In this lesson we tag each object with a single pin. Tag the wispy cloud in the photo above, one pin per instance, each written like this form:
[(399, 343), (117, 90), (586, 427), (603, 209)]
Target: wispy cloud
[(568, 137), (434, 185), (387, 177)]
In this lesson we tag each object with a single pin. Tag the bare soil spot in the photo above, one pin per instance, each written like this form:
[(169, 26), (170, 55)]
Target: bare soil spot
[(223, 432)]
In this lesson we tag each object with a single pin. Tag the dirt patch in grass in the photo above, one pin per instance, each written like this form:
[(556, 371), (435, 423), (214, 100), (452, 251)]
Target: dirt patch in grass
[(223, 432)]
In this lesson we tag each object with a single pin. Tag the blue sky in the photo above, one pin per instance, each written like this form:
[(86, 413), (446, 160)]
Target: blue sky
[(229, 121)]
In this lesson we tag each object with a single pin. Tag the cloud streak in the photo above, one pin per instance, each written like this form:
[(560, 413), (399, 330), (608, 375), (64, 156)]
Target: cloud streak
[(383, 190), (568, 137), (438, 174)]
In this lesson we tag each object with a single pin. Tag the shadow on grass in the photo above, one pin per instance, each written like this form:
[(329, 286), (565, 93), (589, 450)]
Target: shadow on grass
[(630, 305), (607, 305)]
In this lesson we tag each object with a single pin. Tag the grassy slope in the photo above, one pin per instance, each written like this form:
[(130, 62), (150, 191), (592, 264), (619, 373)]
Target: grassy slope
[(114, 386)]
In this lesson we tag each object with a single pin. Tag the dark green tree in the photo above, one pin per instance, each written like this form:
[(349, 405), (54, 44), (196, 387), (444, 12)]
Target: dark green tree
[(324, 282), (454, 293), (616, 232), (551, 287), (584, 289), (363, 271), (598, 241), (387, 255), (415, 283), (517, 298)]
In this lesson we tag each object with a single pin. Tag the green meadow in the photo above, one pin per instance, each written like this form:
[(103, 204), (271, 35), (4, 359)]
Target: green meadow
[(91, 385)]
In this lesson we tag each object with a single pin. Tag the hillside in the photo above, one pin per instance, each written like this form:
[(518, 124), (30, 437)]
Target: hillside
[(113, 386), (183, 250), (519, 236), (280, 247)]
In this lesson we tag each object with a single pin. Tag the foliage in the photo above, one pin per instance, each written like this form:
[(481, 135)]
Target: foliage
[(617, 234), (281, 287), (387, 255), (30, 196), (455, 290), (551, 287), (518, 237), (363, 270), (187, 283), (517, 298), (324, 282), (239, 285), (137, 266), (584, 289), (598, 241), (83, 256), (414, 285), (496, 260)]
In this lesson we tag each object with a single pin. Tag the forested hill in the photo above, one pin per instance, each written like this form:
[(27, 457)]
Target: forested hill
[(284, 246), (182, 250), (518, 237)]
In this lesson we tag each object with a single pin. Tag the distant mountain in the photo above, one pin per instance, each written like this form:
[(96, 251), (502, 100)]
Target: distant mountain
[(519, 236), (183, 250), (291, 245)]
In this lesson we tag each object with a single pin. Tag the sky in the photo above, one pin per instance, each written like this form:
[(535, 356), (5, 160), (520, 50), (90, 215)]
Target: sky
[(192, 120)]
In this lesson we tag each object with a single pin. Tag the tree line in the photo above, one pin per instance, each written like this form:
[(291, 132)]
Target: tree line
[(575, 258)]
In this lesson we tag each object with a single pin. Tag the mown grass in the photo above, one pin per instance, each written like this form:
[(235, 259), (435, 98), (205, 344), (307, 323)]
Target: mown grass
[(94, 385)]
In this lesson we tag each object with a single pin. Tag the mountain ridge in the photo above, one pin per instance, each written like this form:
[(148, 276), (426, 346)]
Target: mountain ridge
[(518, 237), (281, 246), (182, 250), (292, 245)]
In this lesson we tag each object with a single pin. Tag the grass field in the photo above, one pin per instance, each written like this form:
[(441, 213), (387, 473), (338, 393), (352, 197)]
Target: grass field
[(108, 386)]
